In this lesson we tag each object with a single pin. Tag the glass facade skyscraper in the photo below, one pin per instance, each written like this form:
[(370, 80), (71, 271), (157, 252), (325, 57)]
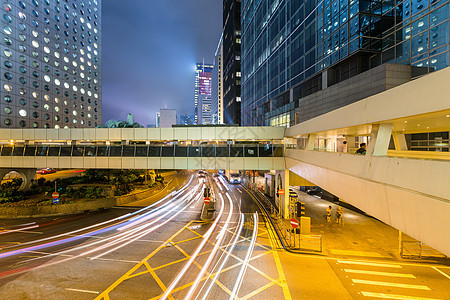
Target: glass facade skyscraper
[(232, 62), (217, 86), (202, 93), (294, 48), (51, 64)]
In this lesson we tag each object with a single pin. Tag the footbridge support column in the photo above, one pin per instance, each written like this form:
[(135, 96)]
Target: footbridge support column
[(380, 137), (28, 175)]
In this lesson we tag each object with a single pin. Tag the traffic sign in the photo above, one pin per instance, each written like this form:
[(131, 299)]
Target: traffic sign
[(56, 200), (207, 200), (280, 192), (55, 195), (294, 222)]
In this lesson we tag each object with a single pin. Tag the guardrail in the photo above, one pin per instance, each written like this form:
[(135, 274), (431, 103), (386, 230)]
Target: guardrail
[(291, 239), (417, 249)]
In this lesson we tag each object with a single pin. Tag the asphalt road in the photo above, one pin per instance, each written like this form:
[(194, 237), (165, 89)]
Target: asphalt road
[(167, 251)]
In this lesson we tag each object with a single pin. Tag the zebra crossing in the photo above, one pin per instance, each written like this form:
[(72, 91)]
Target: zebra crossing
[(372, 280)]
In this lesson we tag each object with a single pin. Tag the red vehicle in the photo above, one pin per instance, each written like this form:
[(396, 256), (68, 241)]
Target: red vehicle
[(46, 171)]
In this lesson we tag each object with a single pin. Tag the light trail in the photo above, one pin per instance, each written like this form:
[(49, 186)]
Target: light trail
[(74, 238), (228, 251), (194, 255), (141, 234), (124, 236), (237, 286), (20, 229), (117, 238), (211, 256)]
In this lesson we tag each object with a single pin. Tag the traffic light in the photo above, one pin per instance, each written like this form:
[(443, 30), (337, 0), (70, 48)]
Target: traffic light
[(300, 209), (206, 192)]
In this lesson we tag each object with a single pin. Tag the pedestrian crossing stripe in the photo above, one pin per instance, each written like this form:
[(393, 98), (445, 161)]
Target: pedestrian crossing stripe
[(379, 273), (369, 264), (355, 253), (392, 284), (392, 296)]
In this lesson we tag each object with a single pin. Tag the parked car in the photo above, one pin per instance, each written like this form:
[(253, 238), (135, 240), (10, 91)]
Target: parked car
[(46, 171)]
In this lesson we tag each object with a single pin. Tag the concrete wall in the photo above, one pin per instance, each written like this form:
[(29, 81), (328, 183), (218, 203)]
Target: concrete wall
[(361, 86), (144, 134), (409, 194)]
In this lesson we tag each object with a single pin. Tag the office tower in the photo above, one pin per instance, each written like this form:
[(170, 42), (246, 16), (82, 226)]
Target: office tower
[(158, 119), (167, 117), (217, 86), (302, 59), (51, 64), (186, 120), (232, 61), (202, 93)]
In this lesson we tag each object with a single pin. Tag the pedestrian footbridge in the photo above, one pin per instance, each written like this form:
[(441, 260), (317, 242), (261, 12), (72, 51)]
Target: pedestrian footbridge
[(239, 148), (407, 189)]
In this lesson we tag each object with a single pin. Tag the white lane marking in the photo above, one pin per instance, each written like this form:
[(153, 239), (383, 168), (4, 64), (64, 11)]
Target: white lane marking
[(392, 296), (123, 207), (115, 260), (355, 253), (83, 291), (392, 284), (239, 190), (441, 272), (379, 273), (369, 264)]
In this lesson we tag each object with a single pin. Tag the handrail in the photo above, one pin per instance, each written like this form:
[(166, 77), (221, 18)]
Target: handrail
[(269, 218)]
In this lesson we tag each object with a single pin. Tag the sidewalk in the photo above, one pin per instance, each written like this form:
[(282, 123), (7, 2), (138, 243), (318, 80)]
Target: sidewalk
[(359, 235)]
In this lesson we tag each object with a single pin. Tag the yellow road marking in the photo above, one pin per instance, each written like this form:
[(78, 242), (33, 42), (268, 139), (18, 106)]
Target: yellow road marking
[(187, 240), (379, 273), (355, 253), (158, 281), (105, 294), (282, 277), (256, 292), (392, 296), (441, 272), (369, 264), (392, 284)]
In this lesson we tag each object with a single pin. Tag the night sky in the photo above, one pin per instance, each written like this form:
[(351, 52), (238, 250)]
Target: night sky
[(149, 51)]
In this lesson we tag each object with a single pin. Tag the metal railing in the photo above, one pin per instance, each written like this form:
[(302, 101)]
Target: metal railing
[(417, 249), (244, 150)]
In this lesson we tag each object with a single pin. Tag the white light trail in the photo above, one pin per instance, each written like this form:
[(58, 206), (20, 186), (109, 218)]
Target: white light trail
[(211, 256), (237, 286), (229, 250), (20, 229), (194, 255)]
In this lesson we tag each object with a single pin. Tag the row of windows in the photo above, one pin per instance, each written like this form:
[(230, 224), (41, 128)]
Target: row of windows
[(23, 123)]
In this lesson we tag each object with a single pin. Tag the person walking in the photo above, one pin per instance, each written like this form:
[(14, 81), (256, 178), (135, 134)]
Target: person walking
[(362, 149), (329, 214), (339, 213)]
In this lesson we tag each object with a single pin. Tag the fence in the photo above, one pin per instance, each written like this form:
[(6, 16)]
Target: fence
[(417, 249)]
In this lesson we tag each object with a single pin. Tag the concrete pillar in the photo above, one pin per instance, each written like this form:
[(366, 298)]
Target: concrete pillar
[(311, 142), (380, 137), (324, 79), (399, 141), (286, 195), (27, 176)]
